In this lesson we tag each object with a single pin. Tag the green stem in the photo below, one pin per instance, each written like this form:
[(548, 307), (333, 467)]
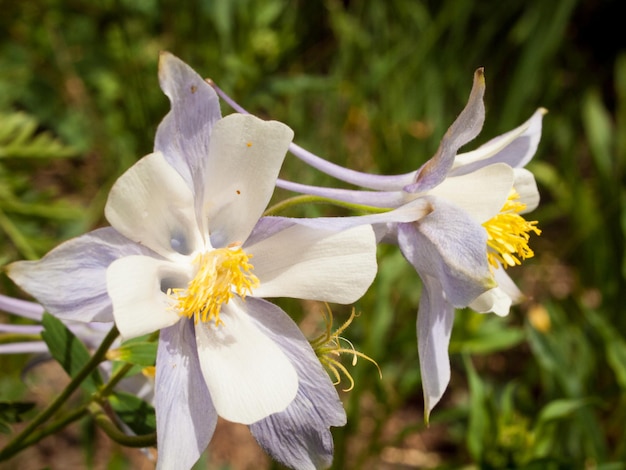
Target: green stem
[(111, 430), (298, 200), (36, 436), (15, 445), (8, 338)]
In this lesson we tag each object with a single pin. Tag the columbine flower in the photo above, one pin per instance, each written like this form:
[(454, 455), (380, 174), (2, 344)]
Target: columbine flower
[(474, 226), (181, 257)]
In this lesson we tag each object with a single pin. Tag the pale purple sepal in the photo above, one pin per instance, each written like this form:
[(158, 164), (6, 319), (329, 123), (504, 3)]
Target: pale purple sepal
[(464, 129), (70, 281), (435, 318), (516, 150), (184, 134), (451, 247), (298, 437), (22, 308), (185, 415)]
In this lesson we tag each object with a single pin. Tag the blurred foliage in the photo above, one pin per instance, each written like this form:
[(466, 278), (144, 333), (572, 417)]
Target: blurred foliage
[(372, 85)]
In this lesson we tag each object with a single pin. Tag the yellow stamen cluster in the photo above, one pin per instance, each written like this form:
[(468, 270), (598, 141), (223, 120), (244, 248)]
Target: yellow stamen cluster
[(221, 274), (329, 344), (508, 234)]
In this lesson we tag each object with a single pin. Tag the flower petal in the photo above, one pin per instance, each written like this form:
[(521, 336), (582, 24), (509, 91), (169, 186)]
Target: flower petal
[(70, 281), (515, 148), (481, 194), (435, 318), (137, 286), (247, 374), (316, 264), (298, 437), (151, 204), (450, 246), (245, 157), (184, 134), (526, 187), (494, 300), (465, 128), (185, 414)]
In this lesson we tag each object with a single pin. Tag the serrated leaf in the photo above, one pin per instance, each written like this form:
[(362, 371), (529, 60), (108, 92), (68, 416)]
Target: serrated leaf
[(134, 412), (19, 139), (68, 351)]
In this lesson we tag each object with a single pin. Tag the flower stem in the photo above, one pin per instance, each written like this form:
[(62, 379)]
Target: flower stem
[(306, 199), (111, 430), (16, 444)]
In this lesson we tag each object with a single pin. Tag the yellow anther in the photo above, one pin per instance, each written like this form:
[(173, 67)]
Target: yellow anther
[(508, 234), (221, 274)]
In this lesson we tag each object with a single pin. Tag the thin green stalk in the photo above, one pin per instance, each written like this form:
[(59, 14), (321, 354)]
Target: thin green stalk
[(111, 430), (15, 445), (305, 199)]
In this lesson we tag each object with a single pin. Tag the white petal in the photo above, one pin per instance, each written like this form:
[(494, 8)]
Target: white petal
[(247, 374), (494, 300), (152, 205), (308, 263), (481, 193), (526, 187), (245, 156), (136, 286)]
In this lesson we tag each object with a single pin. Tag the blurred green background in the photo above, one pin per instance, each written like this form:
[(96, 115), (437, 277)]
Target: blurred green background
[(372, 85)]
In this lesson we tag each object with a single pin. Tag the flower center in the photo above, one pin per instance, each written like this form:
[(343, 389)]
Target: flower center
[(221, 274), (508, 234)]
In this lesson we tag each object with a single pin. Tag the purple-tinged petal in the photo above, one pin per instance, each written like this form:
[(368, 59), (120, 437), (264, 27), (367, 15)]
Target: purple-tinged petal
[(138, 288), (450, 246), (247, 374), (70, 281), (315, 264), (22, 308), (464, 129), (28, 347), (385, 199), (151, 205), (515, 148), (435, 318), (185, 415), (184, 134), (357, 178), (298, 437), (21, 329), (245, 157)]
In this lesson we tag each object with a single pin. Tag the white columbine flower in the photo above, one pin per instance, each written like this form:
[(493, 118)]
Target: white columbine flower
[(181, 257)]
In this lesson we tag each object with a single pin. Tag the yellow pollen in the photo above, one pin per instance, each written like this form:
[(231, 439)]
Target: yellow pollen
[(221, 274), (508, 234)]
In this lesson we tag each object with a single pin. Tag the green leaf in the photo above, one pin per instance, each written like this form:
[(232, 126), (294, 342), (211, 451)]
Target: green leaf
[(19, 139), (479, 422), (560, 409), (68, 351), (11, 412), (142, 353), (134, 412)]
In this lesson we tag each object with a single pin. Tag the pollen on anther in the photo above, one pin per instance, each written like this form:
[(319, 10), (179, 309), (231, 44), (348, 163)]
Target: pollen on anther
[(248, 144), (238, 192)]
